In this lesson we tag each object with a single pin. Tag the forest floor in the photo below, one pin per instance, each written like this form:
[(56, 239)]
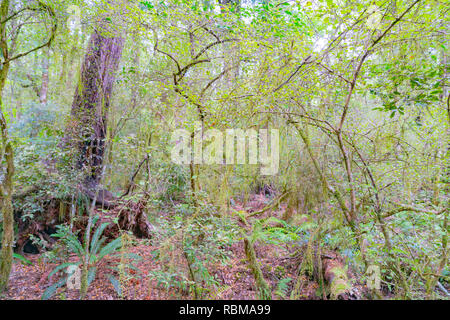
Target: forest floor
[(29, 281)]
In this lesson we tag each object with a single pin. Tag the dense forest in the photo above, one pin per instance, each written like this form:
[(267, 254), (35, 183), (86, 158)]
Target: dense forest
[(224, 150)]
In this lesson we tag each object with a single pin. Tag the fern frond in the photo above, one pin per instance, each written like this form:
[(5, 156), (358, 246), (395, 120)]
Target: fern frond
[(283, 287)]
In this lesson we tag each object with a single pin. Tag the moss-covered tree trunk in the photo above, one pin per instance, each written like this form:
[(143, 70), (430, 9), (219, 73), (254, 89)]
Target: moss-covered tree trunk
[(6, 190), (263, 288), (92, 101), (7, 152), (90, 108), (7, 158)]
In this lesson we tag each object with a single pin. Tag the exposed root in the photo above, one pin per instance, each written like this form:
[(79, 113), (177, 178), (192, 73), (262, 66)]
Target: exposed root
[(128, 216)]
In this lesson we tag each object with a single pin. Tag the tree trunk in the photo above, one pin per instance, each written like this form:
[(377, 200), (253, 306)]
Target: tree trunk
[(264, 292), (6, 190), (6, 186), (92, 101), (90, 110)]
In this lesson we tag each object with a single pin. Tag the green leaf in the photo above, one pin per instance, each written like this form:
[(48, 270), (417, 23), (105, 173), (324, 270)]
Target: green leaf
[(50, 291), (116, 284), (22, 259), (94, 221), (62, 266), (75, 246), (91, 275), (96, 236), (95, 250), (110, 247)]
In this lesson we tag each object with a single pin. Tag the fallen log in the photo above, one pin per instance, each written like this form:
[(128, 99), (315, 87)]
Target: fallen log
[(335, 275)]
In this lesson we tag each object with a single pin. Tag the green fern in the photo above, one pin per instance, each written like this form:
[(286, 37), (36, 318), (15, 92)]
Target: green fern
[(116, 284), (283, 287), (51, 290), (22, 259), (97, 252)]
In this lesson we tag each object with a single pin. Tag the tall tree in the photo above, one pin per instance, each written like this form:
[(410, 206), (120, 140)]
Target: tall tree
[(90, 109), (7, 153), (92, 100)]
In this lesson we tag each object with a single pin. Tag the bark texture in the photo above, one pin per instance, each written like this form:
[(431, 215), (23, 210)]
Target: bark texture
[(92, 102), (6, 190), (261, 284), (7, 171)]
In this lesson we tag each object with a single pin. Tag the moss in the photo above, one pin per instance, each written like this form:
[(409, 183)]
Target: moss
[(308, 260), (261, 284), (338, 281), (339, 272), (339, 287), (280, 272)]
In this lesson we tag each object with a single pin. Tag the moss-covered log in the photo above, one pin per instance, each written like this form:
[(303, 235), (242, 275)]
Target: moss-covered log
[(261, 284), (335, 275)]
